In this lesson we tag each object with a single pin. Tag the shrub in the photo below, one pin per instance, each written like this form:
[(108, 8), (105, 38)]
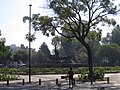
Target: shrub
[(4, 77), (98, 74)]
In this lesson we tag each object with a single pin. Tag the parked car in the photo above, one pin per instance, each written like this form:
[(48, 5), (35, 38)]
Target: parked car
[(21, 65)]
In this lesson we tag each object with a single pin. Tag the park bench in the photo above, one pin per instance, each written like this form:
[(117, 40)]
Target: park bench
[(65, 77)]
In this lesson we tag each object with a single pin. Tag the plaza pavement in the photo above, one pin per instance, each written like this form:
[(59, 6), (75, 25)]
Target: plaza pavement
[(48, 82)]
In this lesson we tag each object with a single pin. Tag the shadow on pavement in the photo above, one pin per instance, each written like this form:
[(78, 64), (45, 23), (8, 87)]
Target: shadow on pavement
[(51, 85)]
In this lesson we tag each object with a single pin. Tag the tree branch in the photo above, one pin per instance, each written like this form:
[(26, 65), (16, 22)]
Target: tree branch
[(99, 16), (61, 33), (72, 29)]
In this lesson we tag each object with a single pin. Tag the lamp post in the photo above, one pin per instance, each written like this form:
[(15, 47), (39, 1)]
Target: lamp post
[(30, 44)]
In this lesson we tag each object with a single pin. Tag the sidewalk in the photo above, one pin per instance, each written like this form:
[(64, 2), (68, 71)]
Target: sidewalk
[(48, 82), (50, 85)]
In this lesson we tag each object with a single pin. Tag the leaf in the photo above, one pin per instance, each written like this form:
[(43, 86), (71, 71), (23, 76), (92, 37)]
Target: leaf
[(25, 18)]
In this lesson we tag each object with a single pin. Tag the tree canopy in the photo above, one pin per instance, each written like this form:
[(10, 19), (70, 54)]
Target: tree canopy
[(75, 19), (115, 35)]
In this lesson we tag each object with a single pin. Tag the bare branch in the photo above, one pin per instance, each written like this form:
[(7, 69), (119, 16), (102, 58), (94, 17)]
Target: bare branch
[(93, 12), (99, 16), (87, 3)]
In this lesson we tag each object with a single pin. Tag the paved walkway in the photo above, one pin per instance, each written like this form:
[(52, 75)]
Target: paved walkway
[(48, 82)]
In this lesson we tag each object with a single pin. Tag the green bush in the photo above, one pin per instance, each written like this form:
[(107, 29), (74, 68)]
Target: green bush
[(36, 71), (98, 74), (4, 77)]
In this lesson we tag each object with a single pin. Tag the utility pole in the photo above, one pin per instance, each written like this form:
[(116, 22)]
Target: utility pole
[(30, 44)]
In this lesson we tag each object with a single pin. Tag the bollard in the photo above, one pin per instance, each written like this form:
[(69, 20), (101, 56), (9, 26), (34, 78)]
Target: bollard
[(108, 81), (7, 82), (56, 81), (23, 81), (39, 81)]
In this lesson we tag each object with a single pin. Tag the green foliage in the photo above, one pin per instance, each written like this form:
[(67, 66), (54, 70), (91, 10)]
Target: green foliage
[(21, 55), (30, 37), (98, 74), (106, 40), (111, 48), (56, 41), (111, 52), (12, 73), (8, 74), (81, 56), (83, 74), (75, 19), (4, 77), (98, 71), (22, 71), (111, 69), (8, 70), (115, 35), (5, 53), (95, 35), (69, 13), (45, 50)]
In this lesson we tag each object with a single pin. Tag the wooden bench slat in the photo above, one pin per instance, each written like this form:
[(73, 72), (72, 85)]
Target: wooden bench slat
[(64, 77)]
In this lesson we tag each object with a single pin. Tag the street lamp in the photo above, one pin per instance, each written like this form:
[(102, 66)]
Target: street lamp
[(30, 45)]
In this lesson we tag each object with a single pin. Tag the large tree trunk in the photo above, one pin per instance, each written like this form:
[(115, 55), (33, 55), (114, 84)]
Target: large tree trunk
[(89, 61)]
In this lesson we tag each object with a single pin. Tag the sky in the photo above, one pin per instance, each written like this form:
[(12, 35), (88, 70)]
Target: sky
[(12, 26)]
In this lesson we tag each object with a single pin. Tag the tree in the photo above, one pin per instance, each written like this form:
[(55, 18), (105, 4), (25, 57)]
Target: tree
[(81, 56), (2, 45), (56, 41), (94, 38), (5, 55), (109, 53), (21, 55), (69, 46), (45, 51), (76, 18), (5, 52), (39, 58), (106, 40), (115, 35), (44, 48)]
